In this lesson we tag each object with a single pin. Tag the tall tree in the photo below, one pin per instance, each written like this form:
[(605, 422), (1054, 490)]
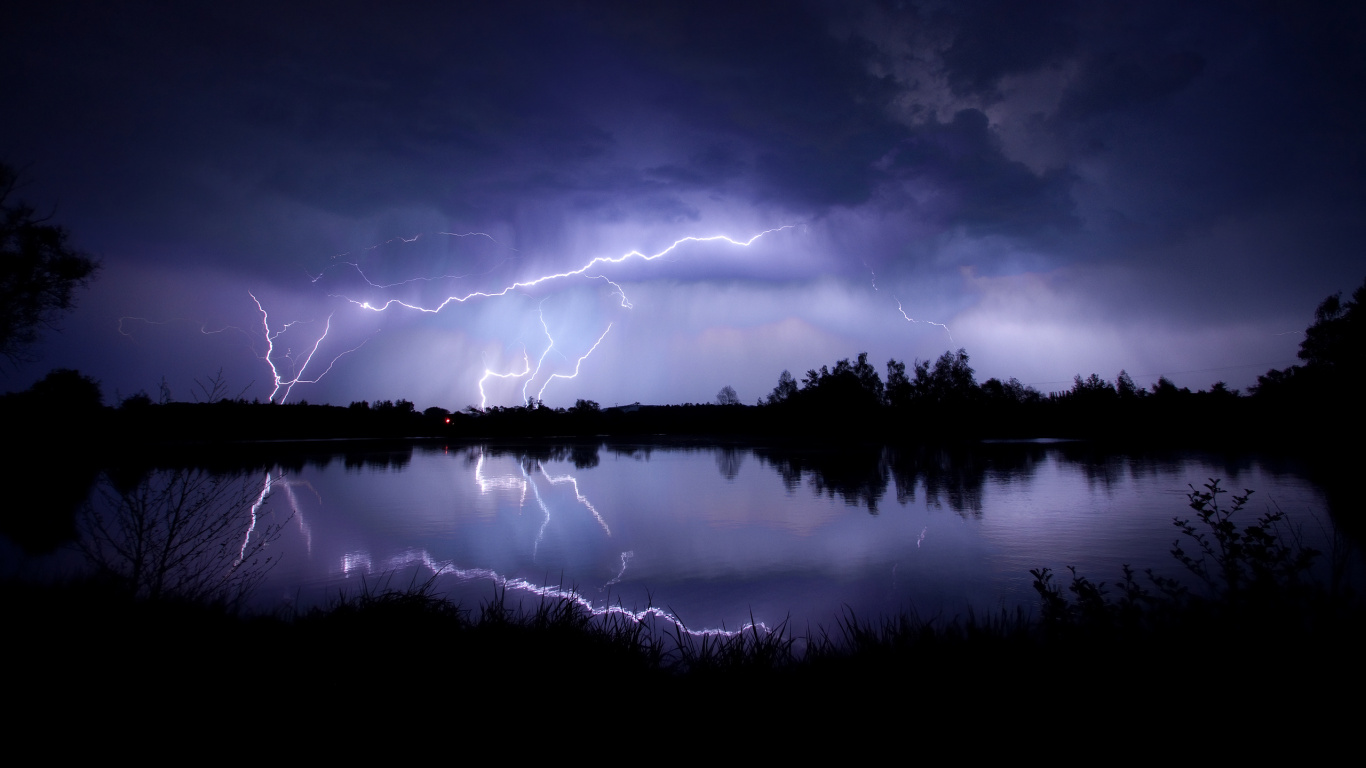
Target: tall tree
[(898, 390), (1333, 351), (787, 387), (39, 272), (950, 381)]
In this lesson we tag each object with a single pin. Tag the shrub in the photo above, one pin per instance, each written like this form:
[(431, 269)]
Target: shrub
[(1258, 569)]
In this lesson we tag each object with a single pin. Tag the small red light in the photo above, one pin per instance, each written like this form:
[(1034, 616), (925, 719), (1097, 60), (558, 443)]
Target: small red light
[(448, 421)]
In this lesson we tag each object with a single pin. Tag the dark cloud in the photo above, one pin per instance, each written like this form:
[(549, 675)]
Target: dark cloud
[(804, 105), (993, 39), (1202, 114), (711, 167), (1116, 80), (966, 181)]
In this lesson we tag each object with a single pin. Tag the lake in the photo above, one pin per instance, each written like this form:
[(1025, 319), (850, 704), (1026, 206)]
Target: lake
[(712, 535)]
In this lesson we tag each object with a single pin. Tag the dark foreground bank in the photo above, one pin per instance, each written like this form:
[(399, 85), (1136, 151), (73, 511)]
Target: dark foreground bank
[(410, 645)]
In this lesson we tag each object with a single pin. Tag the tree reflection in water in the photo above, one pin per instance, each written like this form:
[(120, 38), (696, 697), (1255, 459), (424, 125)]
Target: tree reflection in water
[(860, 474), (182, 533), (728, 461)]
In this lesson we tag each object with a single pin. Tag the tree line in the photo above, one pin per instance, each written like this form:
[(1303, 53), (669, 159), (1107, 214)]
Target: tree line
[(941, 398)]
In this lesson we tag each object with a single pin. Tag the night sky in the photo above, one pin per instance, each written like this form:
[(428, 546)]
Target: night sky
[(1060, 188)]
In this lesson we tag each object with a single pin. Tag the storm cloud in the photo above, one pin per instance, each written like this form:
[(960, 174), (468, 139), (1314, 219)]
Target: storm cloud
[(1068, 187)]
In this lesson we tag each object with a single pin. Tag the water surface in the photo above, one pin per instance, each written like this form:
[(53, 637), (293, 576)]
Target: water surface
[(713, 535)]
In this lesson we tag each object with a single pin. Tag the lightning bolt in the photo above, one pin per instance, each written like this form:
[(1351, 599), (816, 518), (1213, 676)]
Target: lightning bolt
[(203, 327), (910, 319), (483, 398), (279, 381), (141, 320), (362, 561), (255, 507), (541, 502), (582, 499), (871, 275), (267, 488), (527, 482), (536, 547), (315, 278), (595, 261), (577, 363), (507, 484), (587, 270), (541, 362), (416, 237), (540, 312), (625, 303), (625, 558), (479, 234), (305, 529)]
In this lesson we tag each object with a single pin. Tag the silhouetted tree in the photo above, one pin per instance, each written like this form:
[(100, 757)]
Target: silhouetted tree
[(727, 396), (1093, 390), (1220, 390), (787, 387), (1165, 389), (390, 407), (1337, 339), (950, 381), (868, 378), (68, 390), (1010, 392), (1333, 351), (853, 385), (1125, 386), (214, 389), (39, 272), (1276, 383), (898, 390)]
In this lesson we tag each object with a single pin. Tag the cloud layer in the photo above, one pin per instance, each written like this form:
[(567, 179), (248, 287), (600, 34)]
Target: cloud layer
[(1167, 187)]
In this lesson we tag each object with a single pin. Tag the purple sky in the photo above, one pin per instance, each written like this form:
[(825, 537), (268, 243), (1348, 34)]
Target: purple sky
[(1168, 188)]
